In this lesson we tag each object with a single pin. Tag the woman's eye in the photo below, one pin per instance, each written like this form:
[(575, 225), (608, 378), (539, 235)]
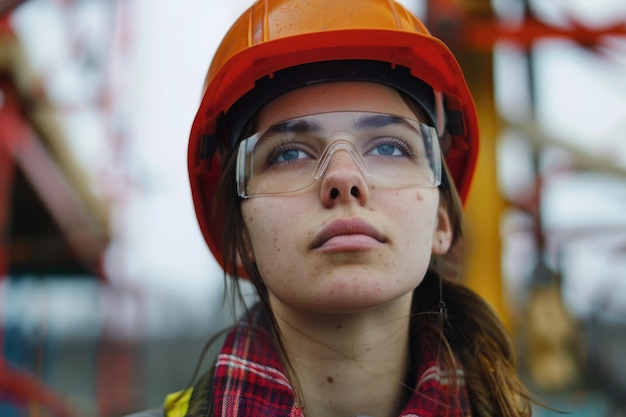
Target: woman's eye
[(285, 153), (388, 149), (289, 155)]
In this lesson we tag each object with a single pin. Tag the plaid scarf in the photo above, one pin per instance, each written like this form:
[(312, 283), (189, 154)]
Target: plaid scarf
[(249, 379)]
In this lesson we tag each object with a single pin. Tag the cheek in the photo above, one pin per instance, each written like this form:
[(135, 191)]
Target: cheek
[(261, 227), (415, 212), (271, 224)]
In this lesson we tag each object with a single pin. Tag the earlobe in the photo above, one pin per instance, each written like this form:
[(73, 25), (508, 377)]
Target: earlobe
[(442, 239)]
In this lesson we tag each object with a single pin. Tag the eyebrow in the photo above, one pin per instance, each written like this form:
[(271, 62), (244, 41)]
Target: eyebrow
[(362, 123), (380, 120), (295, 126)]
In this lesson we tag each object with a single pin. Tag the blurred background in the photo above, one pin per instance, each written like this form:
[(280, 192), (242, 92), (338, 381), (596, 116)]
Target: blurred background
[(107, 291)]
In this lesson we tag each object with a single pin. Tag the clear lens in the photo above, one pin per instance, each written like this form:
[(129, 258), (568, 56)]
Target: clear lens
[(290, 156)]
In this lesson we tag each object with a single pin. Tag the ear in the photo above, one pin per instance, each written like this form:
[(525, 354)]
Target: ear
[(443, 234)]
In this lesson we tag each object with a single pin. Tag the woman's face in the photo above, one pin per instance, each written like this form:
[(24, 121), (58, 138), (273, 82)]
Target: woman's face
[(344, 244)]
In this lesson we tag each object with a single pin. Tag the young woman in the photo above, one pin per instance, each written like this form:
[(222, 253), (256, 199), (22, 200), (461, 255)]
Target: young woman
[(329, 160)]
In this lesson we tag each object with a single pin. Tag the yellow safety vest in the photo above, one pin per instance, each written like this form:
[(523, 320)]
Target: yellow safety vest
[(177, 403)]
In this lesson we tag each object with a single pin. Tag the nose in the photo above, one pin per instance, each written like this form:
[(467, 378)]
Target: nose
[(343, 181)]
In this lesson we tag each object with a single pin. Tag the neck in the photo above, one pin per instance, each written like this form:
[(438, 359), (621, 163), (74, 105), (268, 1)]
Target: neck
[(348, 364)]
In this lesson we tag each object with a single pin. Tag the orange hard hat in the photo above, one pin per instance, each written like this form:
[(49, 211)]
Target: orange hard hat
[(279, 45)]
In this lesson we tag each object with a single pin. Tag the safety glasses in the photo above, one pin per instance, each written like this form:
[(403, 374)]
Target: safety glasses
[(290, 156)]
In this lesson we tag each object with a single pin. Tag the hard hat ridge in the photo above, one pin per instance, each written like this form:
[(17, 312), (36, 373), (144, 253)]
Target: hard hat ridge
[(283, 81)]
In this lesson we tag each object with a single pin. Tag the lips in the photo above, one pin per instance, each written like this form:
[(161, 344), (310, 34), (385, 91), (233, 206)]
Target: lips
[(348, 234)]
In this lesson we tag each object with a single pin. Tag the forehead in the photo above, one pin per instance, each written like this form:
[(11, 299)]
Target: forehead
[(335, 96)]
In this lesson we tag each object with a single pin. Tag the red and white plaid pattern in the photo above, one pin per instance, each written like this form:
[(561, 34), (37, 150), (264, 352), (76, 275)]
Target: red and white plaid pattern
[(249, 379)]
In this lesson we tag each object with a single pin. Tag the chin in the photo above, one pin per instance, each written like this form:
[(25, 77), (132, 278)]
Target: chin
[(358, 298)]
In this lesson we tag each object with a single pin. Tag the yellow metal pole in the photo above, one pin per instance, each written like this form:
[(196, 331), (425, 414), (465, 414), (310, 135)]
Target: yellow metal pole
[(485, 204), (481, 246)]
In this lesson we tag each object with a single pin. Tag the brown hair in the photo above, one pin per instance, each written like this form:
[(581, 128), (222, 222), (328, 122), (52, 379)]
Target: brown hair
[(469, 332)]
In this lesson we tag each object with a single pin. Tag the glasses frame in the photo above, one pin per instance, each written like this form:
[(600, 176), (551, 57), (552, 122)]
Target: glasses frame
[(246, 146)]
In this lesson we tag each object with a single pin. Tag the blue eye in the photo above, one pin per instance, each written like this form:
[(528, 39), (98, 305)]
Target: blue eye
[(289, 155), (388, 149)]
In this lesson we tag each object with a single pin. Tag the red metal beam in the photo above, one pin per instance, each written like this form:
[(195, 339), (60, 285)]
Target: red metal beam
[(7, 6), (18, 385), (21, 148), (24, 388), (12, 131), (483, 34)]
